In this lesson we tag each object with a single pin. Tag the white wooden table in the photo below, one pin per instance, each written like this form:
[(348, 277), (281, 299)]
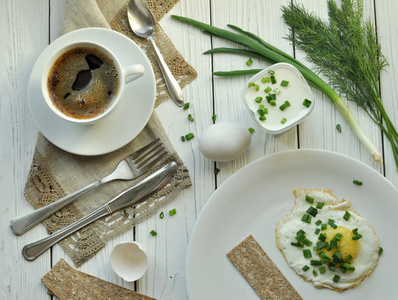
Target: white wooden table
[(27, 27)]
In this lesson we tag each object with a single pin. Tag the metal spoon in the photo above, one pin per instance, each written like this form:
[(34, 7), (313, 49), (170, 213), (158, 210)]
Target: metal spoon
[(143, 24)]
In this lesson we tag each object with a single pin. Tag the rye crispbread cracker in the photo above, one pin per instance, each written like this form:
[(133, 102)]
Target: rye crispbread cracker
[(260, 271), (65, 282)]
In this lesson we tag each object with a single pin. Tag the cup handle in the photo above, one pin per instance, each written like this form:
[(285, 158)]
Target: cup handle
[(133, 72)]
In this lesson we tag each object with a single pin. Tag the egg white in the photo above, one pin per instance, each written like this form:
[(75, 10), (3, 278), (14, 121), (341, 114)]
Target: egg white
[(288, 226)]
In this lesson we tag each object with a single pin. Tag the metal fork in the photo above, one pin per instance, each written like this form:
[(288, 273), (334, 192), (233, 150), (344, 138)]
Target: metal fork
[(128, 168)]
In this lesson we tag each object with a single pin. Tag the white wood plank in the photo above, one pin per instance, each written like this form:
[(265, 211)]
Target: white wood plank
[(24, 35), (165, 278), (262, 18), (387, 30)]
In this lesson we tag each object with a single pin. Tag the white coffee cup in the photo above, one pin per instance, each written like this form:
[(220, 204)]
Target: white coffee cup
[(124, 76)]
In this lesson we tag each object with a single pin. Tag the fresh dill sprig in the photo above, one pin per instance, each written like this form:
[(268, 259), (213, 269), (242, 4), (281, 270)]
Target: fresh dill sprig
[(346, 52)]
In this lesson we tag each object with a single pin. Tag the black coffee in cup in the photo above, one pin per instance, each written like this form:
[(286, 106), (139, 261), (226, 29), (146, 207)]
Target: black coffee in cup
[(83, 82)]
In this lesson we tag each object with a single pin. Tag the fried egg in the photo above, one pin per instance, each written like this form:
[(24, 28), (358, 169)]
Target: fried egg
[(326, 242)]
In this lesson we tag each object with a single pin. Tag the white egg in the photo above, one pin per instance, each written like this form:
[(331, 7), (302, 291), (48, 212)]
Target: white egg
[(361, 255), (224, 141), (129, 261)]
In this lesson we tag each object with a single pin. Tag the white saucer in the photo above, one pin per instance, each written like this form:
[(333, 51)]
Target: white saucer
[(117, 129)]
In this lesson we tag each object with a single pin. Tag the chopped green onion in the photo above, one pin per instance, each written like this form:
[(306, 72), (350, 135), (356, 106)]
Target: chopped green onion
[(172, 212), (338, 127), (357, 182), (186, 106), (321, 245), (307, 103), (346, 216), (216, 171), (189, 136), (306, 218), (322, 269), (283, 121), (309, 199), (268, 89), (283, 107), (317, 231), (348, 267), (357, 237), (322, 237), (251, 130), (269, 98), (284, 83), (251, 84), (324, 226), (333, 244), (300, 237), (381, 250), (249, 62), (307, 242), (305, 268), (315, 248), (319, 205), (315, 262), (332, 268), (257, 87), (153, 232), (214, 117), (355, 231), (331, 223), (273, 103), (314, 273), (307, 253), (319, 222), (273, 96), (349, 257), (337, 256), (336, 278), (300, 232), (273, 79), (125, 213), (262, 118), (161, 215), (258, 99), (271, 72), (190, 118), (312, 211), (297, 244), (338, 237), (325, 260), (265, 79), (277, 91)]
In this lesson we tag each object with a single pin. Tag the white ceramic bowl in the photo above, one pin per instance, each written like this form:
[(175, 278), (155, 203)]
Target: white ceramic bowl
[(129, 261), (295, 93)]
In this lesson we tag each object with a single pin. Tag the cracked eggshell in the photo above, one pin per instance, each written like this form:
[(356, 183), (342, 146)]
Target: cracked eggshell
[(224, 141), (129, 261)]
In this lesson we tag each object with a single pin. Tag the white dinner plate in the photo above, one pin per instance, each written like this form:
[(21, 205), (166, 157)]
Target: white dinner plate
[(122, 125), (253, 200)]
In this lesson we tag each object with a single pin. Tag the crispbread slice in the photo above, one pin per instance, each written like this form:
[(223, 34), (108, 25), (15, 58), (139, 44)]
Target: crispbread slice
[(67, 283), (260, 271)]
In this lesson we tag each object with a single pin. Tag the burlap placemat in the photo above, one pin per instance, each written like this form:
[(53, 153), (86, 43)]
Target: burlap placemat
[(55, 173)]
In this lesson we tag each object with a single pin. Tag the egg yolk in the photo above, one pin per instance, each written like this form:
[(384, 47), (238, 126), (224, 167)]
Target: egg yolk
[(346, 245)]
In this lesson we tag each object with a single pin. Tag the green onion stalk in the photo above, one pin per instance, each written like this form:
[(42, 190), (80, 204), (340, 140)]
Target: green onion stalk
[(260, 49)]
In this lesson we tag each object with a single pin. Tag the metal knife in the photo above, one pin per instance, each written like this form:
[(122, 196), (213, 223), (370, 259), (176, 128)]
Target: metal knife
[(132, 196)]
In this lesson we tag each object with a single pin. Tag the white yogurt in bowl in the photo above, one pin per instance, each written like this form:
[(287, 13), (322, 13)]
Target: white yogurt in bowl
[(287, 110)]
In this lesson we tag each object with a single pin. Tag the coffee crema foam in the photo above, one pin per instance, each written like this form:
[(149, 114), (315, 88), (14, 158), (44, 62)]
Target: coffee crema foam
[(83, 82)]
